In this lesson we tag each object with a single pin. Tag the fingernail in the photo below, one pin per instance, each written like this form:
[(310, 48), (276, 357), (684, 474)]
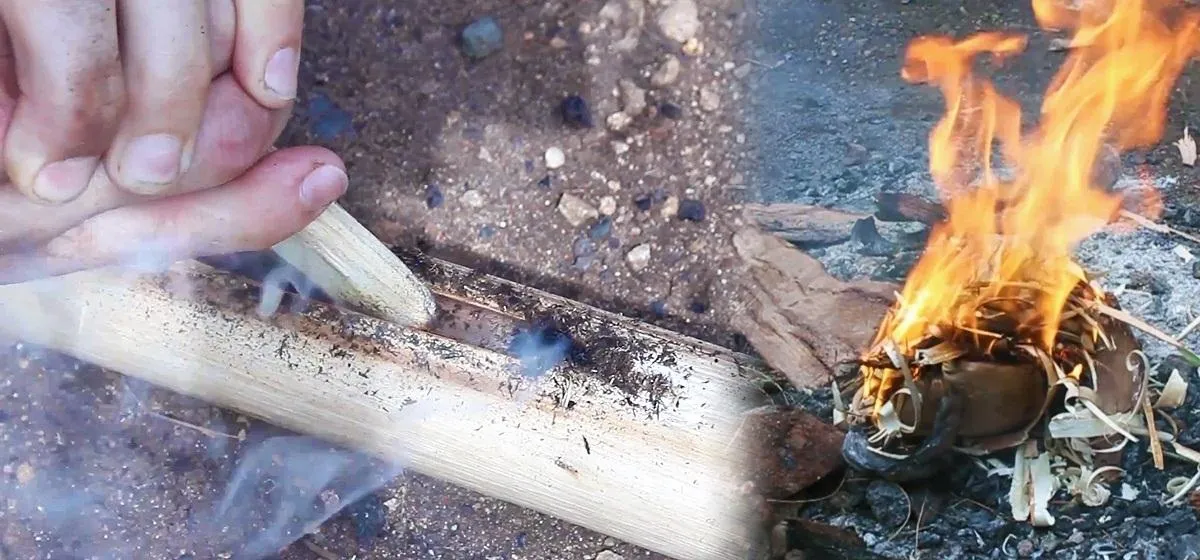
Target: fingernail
[(63, 180), (281, 73), (153, 159), (322, 186)]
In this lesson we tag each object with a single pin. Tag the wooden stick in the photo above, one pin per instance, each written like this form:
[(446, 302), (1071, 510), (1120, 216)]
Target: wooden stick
[(352, 266), (645, 451)]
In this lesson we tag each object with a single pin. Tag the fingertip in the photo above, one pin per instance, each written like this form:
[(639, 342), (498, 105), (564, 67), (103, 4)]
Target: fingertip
[(322, 186), (267, 49)]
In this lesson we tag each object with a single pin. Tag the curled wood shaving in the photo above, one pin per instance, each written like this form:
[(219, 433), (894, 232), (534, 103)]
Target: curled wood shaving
[(839, 407), (1179, 488), (1173, 393), (1032, 486), (914, 393)]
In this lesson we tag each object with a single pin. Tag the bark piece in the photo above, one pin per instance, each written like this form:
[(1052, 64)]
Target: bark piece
[(799, 318), (904, 207), (803, 224)]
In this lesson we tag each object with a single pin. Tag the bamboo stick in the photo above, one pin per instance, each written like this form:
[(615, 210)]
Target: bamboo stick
[(656, 462), (350, 264)]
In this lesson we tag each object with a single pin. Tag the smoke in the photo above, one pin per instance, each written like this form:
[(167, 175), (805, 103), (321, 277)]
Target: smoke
[(540, 347), (100, 467)]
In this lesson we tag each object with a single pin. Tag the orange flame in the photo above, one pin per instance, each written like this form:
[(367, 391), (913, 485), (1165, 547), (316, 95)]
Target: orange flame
[(1016, 222)]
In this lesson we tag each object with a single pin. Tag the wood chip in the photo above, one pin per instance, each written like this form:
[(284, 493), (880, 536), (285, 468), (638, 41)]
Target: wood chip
[(803, 224), (1187, 148)]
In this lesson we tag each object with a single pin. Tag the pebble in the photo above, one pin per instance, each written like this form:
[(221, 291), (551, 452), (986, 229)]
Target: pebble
[(473, 199), (25, 472), (638, 257), (888, 503), (692, 210), (680, 20), (555, 158), (575, 112), (369, 516), (433, 196), (667, 72), (482, 37), (670, 207), (670, 110), (618, 121), (1196, 270), (608, 205), (609, 555), (1025, 548), (633, 98), (710, 100), (576, 210), (601, 228)]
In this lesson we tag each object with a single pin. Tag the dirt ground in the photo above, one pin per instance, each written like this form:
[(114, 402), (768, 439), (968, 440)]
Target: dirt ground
[(776, 101)]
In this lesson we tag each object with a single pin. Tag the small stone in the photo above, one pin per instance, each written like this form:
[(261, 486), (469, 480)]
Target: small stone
[(742, 71), (575, 112), (558, 43), (633, 98), (433, 196), (25, 474), (601, 229), (619, 147), (482, 38), (888, 503), (698, 307), (1196, 270), (670, 110), (667, 72), (710, 100), (608, 205), (555, 158), (692, 210), (1025, 548), (544, 182), (473, 199), (638, 257), (576, 210), (692, 47), (609, 555), (680, 20), (609, 542), (618, 121), (670, 207), (643, 202), (487, 232), (659, 308)]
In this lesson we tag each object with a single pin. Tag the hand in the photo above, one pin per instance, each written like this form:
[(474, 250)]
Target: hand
[(137, 129)]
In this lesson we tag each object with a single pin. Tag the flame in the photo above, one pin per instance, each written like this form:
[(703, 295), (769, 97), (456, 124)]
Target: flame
[(1019, 201)]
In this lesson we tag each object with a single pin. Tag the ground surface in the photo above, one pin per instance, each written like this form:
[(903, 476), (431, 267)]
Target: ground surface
[(446, 153)]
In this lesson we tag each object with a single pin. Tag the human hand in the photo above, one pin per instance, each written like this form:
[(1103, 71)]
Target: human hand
[(136, 129)]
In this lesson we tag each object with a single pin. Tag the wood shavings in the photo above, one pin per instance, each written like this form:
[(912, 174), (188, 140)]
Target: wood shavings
[(1032, 487), (1187, 148), (1156, 450), (1179, 488), (1173, 393)]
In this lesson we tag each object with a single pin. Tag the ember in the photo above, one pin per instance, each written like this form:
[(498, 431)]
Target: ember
[(998, 333)]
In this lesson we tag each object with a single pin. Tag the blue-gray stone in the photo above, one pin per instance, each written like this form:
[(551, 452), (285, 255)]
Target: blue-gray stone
[(482, 38)]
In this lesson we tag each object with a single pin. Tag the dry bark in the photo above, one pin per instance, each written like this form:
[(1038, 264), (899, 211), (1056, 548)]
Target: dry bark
[(799, 318), (792, 450), (803, 224)]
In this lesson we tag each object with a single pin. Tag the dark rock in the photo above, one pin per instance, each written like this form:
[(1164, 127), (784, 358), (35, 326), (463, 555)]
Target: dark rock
[(888, 502), (433, 196), (1196, 269), (1025, 548), (659, 308), (544, 182), (1144, 507), (698, 306), (482, 37), (1176, 362), (601, 228), (643, 203), (576, 113), (872, 244), (670, 110), (369, 516), (327, 121), (1182, 521), (692, 210), (1150, 282), (487, 232)]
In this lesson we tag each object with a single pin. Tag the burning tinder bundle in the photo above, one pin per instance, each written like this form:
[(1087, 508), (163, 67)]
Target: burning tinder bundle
[(999, 339)]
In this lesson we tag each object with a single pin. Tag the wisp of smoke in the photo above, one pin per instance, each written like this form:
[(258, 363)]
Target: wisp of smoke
[(540, 347)]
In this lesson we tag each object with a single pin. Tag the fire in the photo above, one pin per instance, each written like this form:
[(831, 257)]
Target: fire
[(1020, 200)]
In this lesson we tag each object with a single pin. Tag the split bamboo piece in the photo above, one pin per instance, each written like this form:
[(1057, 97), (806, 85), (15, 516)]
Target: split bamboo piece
[(647, 451), (346, 261)]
